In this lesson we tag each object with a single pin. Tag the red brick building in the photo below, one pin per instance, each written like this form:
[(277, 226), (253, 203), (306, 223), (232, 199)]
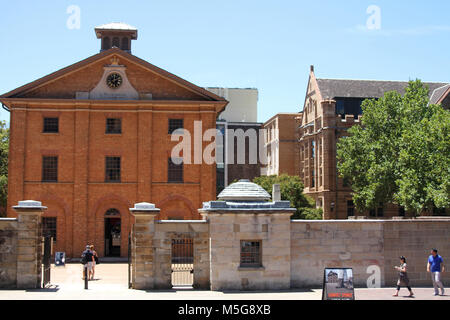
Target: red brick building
[(92, 139)]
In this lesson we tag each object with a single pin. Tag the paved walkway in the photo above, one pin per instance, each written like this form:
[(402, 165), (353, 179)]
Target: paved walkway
[(110, 283)]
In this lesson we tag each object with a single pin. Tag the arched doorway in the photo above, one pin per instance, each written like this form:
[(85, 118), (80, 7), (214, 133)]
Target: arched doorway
[(112, 233)]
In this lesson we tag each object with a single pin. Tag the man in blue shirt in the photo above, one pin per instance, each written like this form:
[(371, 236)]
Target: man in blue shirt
[(436, 266)]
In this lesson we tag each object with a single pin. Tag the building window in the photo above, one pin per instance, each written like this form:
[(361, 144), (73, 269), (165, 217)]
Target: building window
[(401, 211), (106, 43), (350, 208), (113, 126), (49, 227), (175, 172), (125, 43), (439, 211), (49, 169), (51, 125), (251, 253), (175, 124), (378, 212), (220, 179), (116, 42), (112, 172)]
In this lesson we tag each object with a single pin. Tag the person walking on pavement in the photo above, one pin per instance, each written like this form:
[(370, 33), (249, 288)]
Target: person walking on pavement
[(88, 257), (436, 266), (95, 262), (403, 280)]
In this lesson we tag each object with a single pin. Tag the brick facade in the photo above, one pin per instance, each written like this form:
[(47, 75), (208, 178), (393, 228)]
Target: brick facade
[(80, 197), (282, 144)]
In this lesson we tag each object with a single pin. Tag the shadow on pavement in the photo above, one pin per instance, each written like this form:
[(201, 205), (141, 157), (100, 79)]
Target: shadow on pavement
[(50, 289)]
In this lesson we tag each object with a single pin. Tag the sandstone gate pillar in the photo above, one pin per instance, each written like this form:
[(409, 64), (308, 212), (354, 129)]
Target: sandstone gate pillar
[(29, 244), (142, 249)]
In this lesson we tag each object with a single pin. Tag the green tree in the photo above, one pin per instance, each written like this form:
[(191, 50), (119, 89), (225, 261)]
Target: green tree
[(291, 188), (4, 149), (400, 153)]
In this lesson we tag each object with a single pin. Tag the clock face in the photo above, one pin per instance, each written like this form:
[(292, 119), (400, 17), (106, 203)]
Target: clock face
[(114, 80)]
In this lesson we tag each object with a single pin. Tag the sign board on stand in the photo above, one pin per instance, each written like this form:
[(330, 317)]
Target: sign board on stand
[(338, 284)]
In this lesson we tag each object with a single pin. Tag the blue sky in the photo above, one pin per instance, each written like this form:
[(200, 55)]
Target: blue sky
[(267, 45)]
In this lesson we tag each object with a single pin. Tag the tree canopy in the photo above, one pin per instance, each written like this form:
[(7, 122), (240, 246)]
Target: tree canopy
[(400, 153), (291, 188), (4, 150)]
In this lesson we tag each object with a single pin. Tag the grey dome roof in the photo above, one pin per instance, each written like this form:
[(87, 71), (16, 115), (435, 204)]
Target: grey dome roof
[(244, 190)]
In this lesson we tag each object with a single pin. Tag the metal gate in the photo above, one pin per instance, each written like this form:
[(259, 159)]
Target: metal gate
[(47, 260), (182, 262)]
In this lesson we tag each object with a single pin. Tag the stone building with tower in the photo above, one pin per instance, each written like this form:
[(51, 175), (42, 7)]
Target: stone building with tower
[(93, 138), (331, 107)]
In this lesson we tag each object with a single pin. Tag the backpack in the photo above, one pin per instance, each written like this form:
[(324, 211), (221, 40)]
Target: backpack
[(83, 258)]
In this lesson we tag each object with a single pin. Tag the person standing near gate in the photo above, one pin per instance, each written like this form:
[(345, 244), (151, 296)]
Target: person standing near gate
[(436, 266), (87, 259)]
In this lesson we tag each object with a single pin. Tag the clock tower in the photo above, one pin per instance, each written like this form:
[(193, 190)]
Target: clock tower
[(116, 34)]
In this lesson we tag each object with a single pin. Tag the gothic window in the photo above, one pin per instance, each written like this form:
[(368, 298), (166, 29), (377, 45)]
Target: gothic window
[(350, 208)]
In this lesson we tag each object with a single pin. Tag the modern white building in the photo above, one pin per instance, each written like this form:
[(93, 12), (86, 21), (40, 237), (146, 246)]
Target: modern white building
[(243, 106), (240, 113)]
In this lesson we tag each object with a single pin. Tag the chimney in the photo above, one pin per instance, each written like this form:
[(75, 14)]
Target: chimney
[(276, 193)]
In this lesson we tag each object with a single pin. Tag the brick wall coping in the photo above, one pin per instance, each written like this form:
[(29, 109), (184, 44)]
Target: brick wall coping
[(249, 211), (182, 221), (370, 221)]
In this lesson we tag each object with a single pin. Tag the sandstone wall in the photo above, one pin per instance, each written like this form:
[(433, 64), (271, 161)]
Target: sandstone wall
[(8, 253), (414, 239), (226, 232), (366, 246)]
